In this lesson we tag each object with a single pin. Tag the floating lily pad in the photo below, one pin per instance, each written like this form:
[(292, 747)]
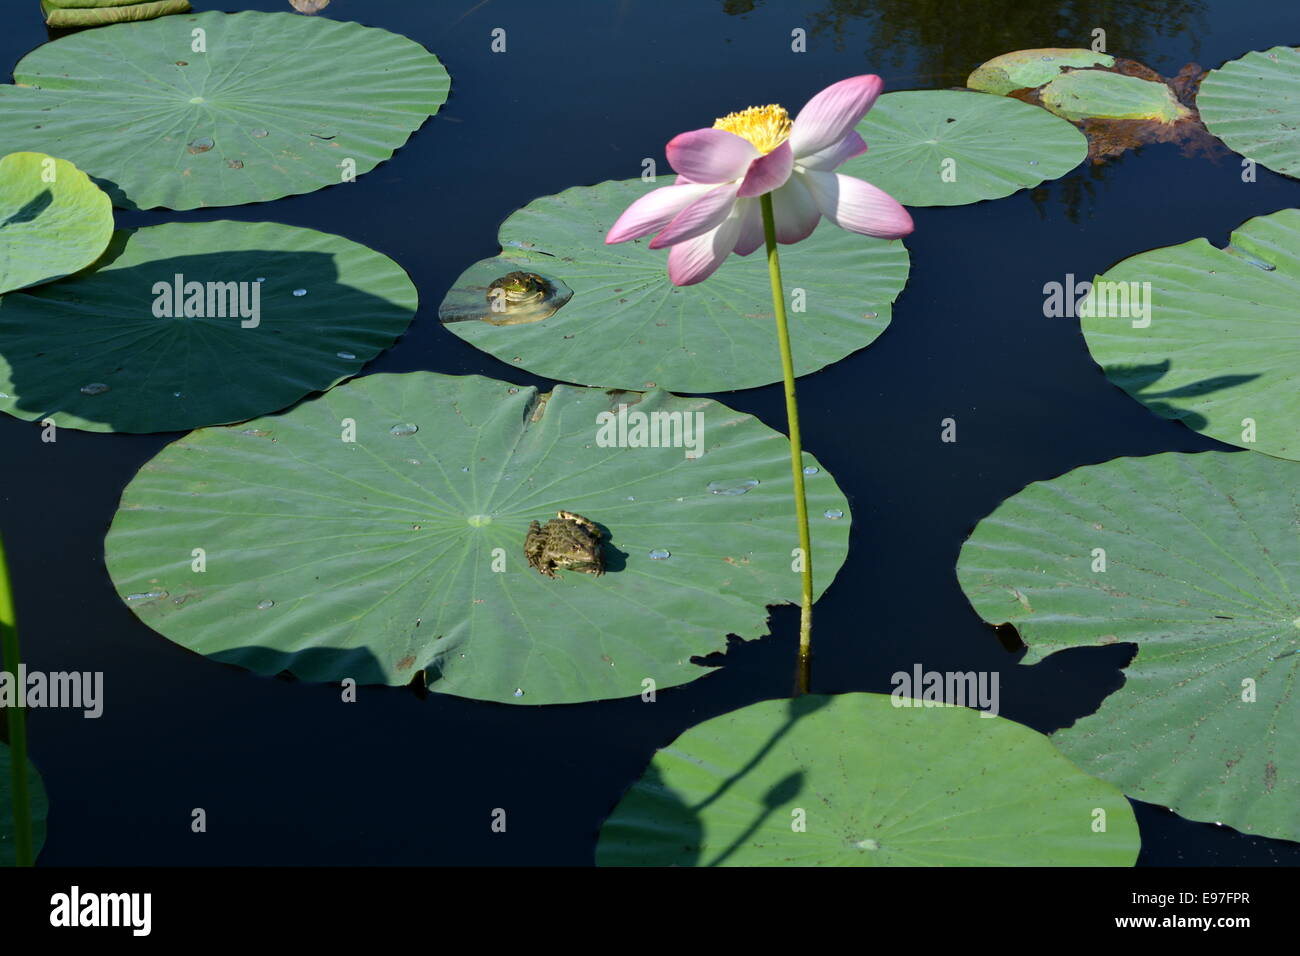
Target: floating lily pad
[(109, 350), (1099, 94), (286, 104), (949, 147), (624, 325), (852, 780), (53, 220), (1221, 352), (1202, 572), (1253, 105), (1029, 69), (69, 14), (39, 808), (402, 553)]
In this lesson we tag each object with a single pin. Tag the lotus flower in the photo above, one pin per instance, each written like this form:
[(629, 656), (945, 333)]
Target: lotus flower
[(713, 208)]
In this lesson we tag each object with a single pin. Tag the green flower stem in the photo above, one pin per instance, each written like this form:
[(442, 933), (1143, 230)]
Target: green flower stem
[(17, 724), (796, 446)]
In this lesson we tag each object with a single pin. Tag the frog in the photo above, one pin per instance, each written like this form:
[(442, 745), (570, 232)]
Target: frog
[(517, 288), (567, 542)]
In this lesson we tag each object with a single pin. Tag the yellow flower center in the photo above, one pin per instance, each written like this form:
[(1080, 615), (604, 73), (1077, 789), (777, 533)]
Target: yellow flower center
[(767, 127)]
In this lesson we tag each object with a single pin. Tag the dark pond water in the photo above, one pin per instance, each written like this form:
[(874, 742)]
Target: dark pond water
[(289, 776)]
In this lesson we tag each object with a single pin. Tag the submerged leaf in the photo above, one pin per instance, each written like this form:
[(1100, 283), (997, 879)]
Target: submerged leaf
[(39, 807)]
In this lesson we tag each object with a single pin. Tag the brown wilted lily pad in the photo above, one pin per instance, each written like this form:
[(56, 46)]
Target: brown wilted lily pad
[(1118, 105)]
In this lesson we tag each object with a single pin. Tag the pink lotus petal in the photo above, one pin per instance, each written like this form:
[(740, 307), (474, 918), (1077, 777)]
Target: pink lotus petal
[(750, 214), (830, 115), (768, 172), (703, 215), (653, 211), (858, 206), (710, 155), (833, 155), (795, 211), (696, 259)]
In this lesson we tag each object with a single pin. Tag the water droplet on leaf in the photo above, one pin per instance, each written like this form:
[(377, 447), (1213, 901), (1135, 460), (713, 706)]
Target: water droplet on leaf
[(732, 486)]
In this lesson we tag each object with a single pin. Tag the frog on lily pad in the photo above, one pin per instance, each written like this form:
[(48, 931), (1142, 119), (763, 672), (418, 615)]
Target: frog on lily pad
[(566, 542)]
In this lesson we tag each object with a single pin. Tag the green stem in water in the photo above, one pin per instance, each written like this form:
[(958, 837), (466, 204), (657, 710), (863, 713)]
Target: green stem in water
[(796, 446), (17, 725)]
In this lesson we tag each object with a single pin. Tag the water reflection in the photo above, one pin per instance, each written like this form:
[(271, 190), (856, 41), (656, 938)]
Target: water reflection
[(923, 35)]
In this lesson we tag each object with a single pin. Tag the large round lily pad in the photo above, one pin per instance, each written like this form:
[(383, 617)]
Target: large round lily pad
[(852, 780), (403, 551), (626, 326), (274, 104), (951, 147), (1220, 347), (1202, 571), (1030, 69), (53, 220), (1253, 105), (38, 803), (1100, 94), (276, 312)]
